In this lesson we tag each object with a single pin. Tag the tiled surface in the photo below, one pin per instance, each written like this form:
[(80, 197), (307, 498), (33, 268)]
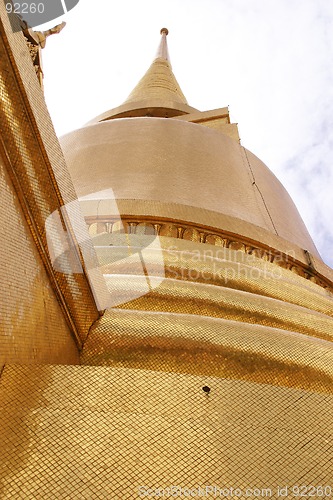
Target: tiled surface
[(101, 433), (30, 194), (217, 312), (195, 344), (32, 325), (159, 83)]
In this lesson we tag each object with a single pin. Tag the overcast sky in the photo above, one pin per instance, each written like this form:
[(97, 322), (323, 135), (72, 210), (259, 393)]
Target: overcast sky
[(270, 61)]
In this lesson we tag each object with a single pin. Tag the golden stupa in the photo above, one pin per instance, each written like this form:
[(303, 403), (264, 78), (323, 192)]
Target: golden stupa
[(166, 319)]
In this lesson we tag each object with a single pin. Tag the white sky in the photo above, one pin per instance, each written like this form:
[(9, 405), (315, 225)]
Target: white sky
[(271, 61)]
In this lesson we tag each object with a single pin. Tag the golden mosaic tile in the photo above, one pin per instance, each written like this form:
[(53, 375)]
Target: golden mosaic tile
[(214, 311), (215, 347), (27, 152), (101, 433)]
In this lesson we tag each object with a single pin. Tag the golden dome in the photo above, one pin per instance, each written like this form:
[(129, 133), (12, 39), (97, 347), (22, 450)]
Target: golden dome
[(182, 170)]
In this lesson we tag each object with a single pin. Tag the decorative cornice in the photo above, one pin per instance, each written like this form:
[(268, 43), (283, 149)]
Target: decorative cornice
[(206, 235)]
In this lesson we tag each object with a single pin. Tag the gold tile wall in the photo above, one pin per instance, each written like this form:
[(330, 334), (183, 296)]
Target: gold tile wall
[(102, 433), (33, 159), (32, 324), (185, 343)]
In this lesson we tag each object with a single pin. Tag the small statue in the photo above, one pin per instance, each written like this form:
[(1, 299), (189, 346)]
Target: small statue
[(39, 37), (36, 40)]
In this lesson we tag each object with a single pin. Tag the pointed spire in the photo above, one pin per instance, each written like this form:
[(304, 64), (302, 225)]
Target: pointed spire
[(159, 82), (157, 94)]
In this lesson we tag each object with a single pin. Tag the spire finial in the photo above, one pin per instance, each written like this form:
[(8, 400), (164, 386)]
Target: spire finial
[(163, 48)]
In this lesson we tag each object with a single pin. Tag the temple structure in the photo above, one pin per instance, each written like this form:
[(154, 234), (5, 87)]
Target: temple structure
[(166, 320)]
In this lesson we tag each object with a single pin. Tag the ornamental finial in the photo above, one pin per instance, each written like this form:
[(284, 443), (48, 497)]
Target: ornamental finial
[(162, 52)]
